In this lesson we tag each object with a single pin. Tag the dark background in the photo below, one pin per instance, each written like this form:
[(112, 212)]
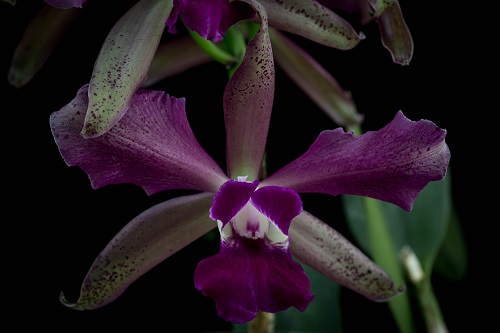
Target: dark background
[(56, 224)]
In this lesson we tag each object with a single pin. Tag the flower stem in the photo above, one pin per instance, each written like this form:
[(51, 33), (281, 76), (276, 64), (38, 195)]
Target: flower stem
[(263, 323), (424, 293)]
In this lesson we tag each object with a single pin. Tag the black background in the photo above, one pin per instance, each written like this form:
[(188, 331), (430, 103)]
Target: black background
[(56, 224)]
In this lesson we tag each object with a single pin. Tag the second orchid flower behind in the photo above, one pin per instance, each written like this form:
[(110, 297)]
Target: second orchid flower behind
[(261, 223)]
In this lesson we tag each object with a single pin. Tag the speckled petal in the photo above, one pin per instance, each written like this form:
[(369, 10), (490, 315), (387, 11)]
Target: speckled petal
[(311, 20), (393, 164), (230, 199), (143, 243), (328, 252), (248, 101), (152, 146), (314, 80), (123, 63), (41, 37), (210, 19), (278, 204), (396, 36), (64, 4), (248, 276)]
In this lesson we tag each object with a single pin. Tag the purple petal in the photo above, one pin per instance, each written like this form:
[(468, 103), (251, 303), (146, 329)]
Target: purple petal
[(210, 19), (151, 146), (248, 101), (230, 199), (328, 252), (393, 164), (278, 204), (143, 243), (248, 276), (64, 4)]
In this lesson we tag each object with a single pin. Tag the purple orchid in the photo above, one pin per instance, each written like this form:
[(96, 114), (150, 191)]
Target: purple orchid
[(261, 223)]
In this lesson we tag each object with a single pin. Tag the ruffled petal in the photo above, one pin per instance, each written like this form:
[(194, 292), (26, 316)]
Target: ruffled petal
[(248, 101), (210, 19), (64, 4), (325, 250), (143, 243), (230, 199), (280, 205), (248, 276), (393, 164), (152, 146), (311, 20)]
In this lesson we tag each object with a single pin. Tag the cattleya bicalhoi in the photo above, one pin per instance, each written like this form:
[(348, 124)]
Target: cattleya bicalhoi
[(261, 221)]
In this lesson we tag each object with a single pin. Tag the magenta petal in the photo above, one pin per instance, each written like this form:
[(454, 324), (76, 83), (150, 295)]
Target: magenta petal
[(251, 276), (151, 146), (278, 204), (65, 4), (393, 164), (210, 19), (230, 198)]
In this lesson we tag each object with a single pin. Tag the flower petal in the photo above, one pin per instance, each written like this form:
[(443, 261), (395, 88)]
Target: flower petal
[(123, 63), (396, 36), (322, 248), (210, 19), (64, 4), (314, 80), (175, 57), (311, 20), (248, 101), (248, 276), (393, 164), (230, 199), (40, 38), (152, 146), (143, 243), (278, 204)]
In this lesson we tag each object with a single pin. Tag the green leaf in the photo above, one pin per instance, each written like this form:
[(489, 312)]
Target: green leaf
[(383, 229), (423, 229), (322, 315), (452, 259)]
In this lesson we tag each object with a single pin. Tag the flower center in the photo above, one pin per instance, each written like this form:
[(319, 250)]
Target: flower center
[(250, 223)]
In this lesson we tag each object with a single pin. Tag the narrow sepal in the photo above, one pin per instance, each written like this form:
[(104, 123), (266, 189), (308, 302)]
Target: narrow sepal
[(314, 80), (328, 252), (311, 20), (175, 57), (123, 63), (143, 243), (248, 101), (39, 40)]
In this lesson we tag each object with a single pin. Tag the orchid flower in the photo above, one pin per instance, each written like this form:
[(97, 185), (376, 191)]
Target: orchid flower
[(261, 223)]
